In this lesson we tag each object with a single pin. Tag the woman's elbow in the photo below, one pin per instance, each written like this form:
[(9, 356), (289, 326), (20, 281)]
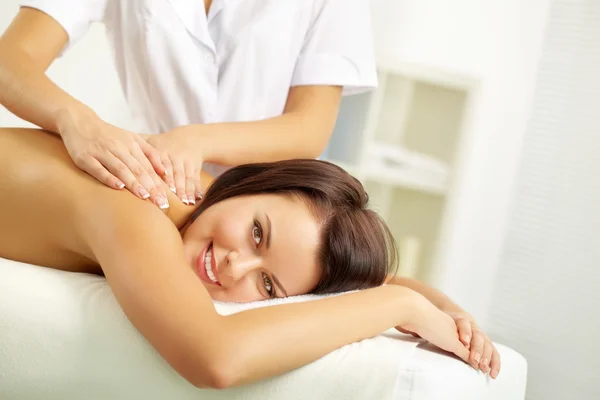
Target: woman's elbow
[(219, 374)]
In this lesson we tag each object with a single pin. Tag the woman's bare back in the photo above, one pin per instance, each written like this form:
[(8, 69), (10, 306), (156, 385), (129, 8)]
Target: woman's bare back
[(48, 204)]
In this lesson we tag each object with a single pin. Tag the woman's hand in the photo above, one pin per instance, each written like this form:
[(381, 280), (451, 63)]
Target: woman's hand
[(436, 327), (483, 353), (114, 156), (183, 164)]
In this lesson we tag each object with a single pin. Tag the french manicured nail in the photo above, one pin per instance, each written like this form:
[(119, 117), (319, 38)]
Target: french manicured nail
[(185, 200), (144, 193), (192, 201), (173, 189), (162, 202), (120, 185), (485, 362), (199, 196), (477, 357)]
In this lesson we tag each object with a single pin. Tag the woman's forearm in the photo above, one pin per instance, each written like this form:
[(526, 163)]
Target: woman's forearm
[(272, 340), (439, 299)]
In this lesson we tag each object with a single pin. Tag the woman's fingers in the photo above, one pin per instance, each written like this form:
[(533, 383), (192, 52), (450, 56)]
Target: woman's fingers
[(462, 352), (464, 331), (477, 343), (486, 356), (495, 363)]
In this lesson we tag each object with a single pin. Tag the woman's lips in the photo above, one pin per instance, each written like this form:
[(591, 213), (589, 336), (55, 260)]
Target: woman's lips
[(201, 266)]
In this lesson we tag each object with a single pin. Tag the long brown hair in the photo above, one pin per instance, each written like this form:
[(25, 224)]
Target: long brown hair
[(357, 249)]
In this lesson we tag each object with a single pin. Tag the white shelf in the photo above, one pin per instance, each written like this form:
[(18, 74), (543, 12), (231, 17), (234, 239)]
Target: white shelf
[(407, 177), (399, 167), (428, 74)]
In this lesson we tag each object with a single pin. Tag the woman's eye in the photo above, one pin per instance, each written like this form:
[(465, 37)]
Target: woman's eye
[(268, 285), (257, 233)]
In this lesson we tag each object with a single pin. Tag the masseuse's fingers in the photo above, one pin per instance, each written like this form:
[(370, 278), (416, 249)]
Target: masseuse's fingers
[(179, 177), (198, 184), (151, 155), (125, 165), (145, 163), (132, 184), (98, 171), (168, 176), (190, 182)]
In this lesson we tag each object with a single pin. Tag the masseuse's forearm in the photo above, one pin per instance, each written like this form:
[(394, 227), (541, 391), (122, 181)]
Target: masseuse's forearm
[(27, 92), (270, 341), (279, 138), (439, 299)]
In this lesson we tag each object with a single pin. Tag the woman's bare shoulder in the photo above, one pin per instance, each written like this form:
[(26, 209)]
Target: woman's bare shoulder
[(49, 205)]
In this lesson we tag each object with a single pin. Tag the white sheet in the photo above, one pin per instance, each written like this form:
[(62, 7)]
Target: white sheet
[(431, 374), (64, 336)]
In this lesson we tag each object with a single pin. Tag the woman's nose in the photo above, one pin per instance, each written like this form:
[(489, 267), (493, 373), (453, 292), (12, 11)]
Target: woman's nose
[(237, 266)]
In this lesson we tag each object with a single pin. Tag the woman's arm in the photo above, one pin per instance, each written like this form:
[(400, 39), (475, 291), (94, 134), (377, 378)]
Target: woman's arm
[(483, 353), (439, 299), (142, 257), (113, 156)]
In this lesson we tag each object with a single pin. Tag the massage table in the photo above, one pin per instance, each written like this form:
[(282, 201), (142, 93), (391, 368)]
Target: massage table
[(64, 336)]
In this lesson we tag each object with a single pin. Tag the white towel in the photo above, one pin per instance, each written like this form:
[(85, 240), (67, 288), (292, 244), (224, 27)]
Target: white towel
[(64, 336)]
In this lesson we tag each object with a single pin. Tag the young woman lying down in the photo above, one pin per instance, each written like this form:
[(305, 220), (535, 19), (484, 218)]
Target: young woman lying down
[(263, 230)]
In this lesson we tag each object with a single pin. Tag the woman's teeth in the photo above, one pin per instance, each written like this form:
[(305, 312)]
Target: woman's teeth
[(208, 263)]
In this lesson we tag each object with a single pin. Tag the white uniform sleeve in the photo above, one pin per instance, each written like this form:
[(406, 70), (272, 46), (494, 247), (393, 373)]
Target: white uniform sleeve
[(75, 16), (338, 49)]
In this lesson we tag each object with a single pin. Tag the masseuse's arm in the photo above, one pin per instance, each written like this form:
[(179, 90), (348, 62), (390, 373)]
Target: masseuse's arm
[(112, 155), (142, 258), (302, 131)]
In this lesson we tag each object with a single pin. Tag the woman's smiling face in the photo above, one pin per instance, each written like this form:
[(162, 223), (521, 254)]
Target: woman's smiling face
[(251, 248)]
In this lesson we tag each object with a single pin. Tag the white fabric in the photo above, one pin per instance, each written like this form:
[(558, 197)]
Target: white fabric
[(431, 374), (179, 66), (64, 336)]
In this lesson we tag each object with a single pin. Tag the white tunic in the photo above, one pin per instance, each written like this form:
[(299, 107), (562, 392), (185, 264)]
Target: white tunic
[(179, 66)]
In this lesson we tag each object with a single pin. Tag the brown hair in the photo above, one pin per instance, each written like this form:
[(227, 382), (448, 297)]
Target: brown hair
[(357, 249)]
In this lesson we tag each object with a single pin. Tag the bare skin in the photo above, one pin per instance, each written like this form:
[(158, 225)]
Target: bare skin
[(57, 216)]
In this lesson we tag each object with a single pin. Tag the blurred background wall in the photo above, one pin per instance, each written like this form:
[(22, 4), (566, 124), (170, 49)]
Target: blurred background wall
[(481, 149)]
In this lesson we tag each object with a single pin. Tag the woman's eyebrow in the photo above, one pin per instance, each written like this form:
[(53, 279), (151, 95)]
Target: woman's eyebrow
[(268, 230), (277, 282), (279, 285)]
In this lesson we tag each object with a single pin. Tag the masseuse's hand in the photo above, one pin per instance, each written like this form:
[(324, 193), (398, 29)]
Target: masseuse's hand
[(435, 326), (114, 156), (483, 354), (183, 164)]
